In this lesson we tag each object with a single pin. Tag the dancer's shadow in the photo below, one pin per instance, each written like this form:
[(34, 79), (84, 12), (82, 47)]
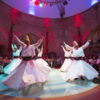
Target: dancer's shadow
[(34, 90), (79, 82), (4, 91)]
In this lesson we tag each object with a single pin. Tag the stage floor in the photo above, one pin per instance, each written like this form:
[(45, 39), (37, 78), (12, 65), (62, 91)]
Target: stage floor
[(54, 87)]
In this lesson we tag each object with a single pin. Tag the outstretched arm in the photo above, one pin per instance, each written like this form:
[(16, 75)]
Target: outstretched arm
[(38, 43), (63, 48), (19, 41), (67, 46), (12, 46), (86, 44), (20, 48), (42, 49)]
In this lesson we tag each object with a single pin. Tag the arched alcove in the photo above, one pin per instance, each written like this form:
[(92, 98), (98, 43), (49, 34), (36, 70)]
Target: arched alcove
[(94, 36)]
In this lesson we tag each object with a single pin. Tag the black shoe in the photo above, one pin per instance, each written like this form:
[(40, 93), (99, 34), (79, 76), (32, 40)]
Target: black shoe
[(76, 78), (96, 80), (82, 78)]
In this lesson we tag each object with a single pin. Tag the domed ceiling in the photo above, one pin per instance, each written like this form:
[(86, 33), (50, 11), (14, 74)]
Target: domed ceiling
[(51, 8)]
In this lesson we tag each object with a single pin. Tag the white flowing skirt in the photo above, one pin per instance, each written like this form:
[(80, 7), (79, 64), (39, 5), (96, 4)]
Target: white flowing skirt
[(12, 65), (43, 65), (80, 68), (27, 73), (65, 65)]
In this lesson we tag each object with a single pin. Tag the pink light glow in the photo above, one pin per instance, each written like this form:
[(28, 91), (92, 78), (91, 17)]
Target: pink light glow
[(78, 20)]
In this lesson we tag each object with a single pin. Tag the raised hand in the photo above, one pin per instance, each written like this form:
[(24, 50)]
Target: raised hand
[(62, 46), (14, 37), (64, 43)]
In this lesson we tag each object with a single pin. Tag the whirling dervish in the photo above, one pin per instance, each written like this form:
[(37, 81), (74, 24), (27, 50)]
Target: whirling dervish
[(67, 61), (28, 72), (15, 61), (79, 68), (42, 64)]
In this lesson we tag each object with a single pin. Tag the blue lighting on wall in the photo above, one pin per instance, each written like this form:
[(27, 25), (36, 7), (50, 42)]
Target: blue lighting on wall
[(94, 2), (41, 5), (31, 8)]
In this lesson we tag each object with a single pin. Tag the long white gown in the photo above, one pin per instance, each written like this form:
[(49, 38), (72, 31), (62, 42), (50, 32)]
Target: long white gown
[(80, 67), (67, 61), (43, 65), (15, 62), (27, 73)]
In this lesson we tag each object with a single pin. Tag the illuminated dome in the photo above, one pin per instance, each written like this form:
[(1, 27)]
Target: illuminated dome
[(51, 8)]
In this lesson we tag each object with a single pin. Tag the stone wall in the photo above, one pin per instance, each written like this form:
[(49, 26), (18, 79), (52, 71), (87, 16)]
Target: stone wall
[(59, 30)]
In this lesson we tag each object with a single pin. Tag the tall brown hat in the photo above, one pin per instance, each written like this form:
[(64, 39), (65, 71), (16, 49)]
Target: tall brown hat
[(27, 38), (15, 46), (75, 43)]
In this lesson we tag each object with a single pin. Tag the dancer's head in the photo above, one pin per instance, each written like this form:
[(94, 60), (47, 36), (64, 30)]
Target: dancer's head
[(75, 44), (67, 49), (15, 47), (27, 40), (39, 50)]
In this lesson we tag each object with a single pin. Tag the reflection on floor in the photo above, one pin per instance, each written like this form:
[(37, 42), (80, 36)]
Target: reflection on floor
[(54, 87)]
